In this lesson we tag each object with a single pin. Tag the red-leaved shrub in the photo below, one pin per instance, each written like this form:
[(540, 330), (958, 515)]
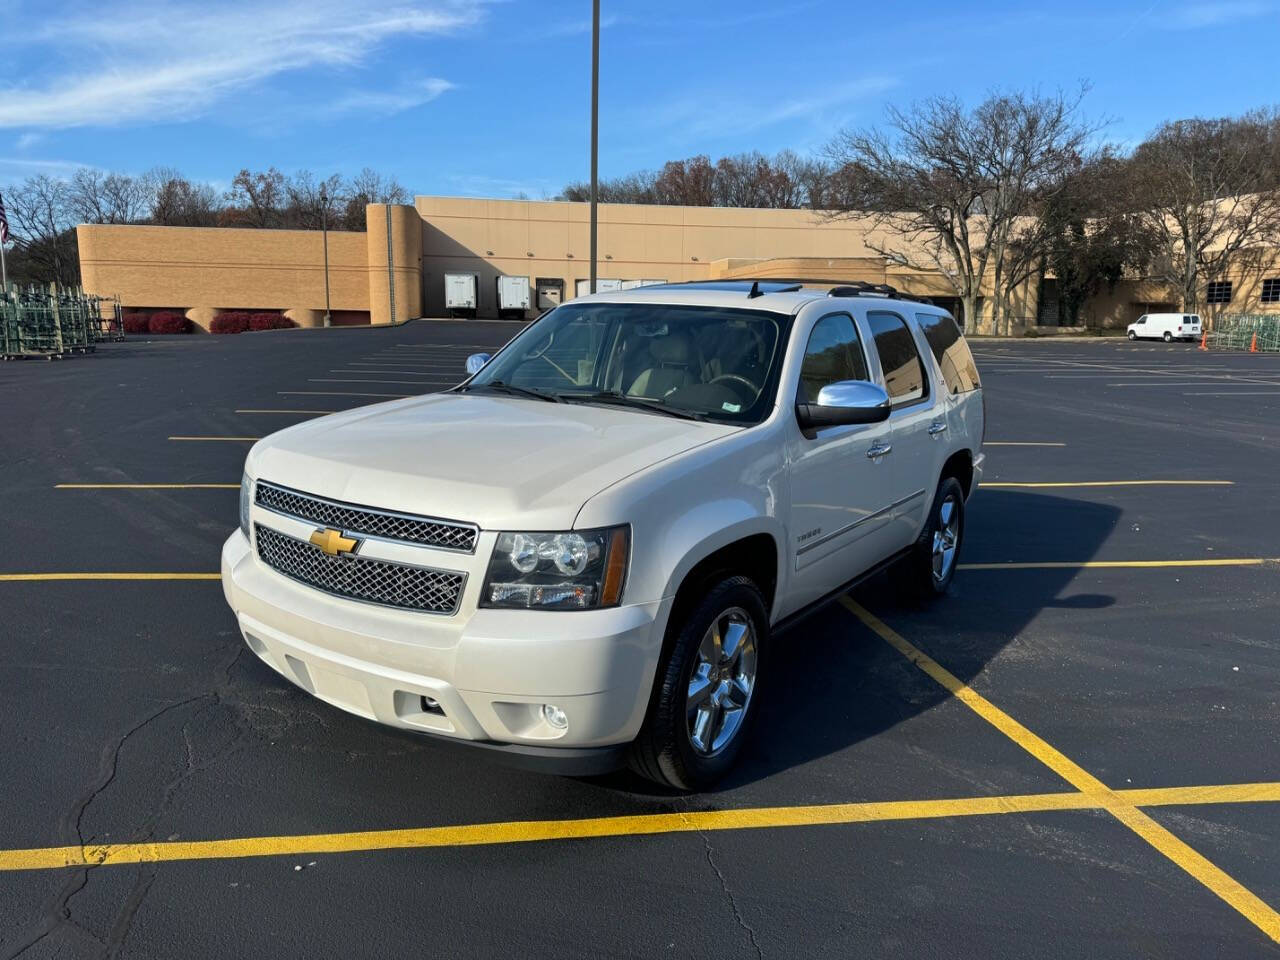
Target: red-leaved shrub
[(168, 322), (232, 321), (137, 323), (269, 321)]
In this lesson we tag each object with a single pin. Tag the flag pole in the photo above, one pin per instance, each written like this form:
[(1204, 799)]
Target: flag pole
[(4, 235), (595, 130)]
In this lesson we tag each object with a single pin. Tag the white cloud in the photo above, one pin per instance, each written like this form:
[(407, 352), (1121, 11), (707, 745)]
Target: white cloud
[(1198, 15), (404, 97), (712, 117), (479, 185), (15, 168), (152, 63), (571, 28)]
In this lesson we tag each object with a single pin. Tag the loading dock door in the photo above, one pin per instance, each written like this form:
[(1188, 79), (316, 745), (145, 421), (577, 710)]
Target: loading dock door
[(550, 293)]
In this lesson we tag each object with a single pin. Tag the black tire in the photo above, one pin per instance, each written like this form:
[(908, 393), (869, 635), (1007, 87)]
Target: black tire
[(1168, 337), (664, 751), (924, 580), (1132, 335)]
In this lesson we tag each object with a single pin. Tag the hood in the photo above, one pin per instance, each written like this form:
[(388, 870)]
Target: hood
[(502, 463)]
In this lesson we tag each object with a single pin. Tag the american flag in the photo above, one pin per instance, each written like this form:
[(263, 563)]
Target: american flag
[(4, 223)]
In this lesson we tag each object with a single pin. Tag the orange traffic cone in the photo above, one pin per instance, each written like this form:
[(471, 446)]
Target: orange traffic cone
[(1253, 344), (1204, 340)]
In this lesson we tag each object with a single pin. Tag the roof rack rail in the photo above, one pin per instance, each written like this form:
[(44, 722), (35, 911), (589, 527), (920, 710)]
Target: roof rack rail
[(861, 289), (838, 288), (759, 286)]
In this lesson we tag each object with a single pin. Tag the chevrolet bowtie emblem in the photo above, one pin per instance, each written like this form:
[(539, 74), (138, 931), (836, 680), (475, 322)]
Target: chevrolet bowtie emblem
[(332, 541)]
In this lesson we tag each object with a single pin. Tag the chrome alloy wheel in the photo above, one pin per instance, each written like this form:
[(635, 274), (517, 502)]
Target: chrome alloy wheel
[(723, 679), (945, 539)]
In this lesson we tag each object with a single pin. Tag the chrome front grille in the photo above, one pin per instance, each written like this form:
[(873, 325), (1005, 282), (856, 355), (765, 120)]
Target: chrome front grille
[(359, 578), (427, 531)]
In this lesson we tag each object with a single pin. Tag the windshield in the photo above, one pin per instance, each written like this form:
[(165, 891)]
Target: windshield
[(711, 362)]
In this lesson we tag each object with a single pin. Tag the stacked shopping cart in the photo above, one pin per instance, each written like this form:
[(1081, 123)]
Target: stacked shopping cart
[(1256, 332), (55, 322)]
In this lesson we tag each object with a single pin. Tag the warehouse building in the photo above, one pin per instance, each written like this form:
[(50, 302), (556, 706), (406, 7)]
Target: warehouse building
[(397, 269)]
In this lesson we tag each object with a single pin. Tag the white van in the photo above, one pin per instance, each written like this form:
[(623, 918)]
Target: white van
[(1166, 326)]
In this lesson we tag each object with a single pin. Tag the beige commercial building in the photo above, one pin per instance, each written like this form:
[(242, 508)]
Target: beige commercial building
[(395, 270)]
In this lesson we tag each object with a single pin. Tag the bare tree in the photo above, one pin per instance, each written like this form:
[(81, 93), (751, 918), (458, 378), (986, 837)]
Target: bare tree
[(632, 188), (306, 208), (951, 187), (686, 182), (256, 199), (1208, 194), (785, 180), (366, 187), (43, 231), (96, 196), (177, 202)]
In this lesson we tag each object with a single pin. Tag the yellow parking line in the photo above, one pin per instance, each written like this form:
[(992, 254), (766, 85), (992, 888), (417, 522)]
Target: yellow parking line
[(1019, 443), (318, 412), (530, 831), (240, 439), (146, 486), (1123, 808), (1121, 564), (13, 577), (1113, 483)]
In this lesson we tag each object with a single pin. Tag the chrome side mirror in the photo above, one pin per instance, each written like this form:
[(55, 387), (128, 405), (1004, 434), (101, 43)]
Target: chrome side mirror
[(475, 362), (845, 402)]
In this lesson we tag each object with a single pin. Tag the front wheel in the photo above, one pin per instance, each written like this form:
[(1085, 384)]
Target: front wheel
[(1132, 335), (933, 559), (703, 699)]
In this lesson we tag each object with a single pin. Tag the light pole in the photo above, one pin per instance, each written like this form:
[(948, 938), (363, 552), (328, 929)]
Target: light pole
[(595, 127), (324, 235)]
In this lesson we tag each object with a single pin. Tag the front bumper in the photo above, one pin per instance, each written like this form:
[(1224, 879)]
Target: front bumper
[(979, 464), (486, 673)]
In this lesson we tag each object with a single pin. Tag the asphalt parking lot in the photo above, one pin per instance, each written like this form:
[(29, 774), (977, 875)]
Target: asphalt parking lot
[(1073, 754)]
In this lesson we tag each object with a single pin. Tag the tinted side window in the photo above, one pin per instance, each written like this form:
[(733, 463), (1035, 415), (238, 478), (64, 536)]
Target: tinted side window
[(951, 351), (833, 354), (903, 371)]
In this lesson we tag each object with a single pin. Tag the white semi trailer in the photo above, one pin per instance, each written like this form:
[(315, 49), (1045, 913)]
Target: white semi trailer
[(513, 297), (461, 294)]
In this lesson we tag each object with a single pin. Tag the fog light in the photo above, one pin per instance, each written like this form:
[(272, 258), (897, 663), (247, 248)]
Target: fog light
[(555, 716), (432, 705)]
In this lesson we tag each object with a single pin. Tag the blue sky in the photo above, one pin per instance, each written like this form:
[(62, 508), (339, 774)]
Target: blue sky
[(491, 98)]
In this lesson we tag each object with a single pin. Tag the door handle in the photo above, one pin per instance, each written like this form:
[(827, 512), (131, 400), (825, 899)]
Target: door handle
[(937, 427), (879, 449)]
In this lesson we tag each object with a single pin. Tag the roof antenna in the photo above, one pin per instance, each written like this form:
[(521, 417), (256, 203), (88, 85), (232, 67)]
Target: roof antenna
[(755, 290)]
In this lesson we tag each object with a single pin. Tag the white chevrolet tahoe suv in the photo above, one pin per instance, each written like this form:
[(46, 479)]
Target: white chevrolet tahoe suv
[(581, 556)]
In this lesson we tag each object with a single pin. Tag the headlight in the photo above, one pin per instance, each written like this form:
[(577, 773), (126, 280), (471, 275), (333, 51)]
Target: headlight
[(574, 570), (245, 486)]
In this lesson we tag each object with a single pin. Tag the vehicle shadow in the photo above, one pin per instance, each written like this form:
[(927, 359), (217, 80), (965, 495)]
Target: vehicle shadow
[(833, 683)]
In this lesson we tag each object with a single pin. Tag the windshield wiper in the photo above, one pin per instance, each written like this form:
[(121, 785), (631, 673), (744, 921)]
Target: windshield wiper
[(642, 403), (514, 391)]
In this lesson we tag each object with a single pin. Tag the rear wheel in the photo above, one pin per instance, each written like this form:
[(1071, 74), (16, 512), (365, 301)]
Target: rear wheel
[(1168, 337), (933, 560), (702, 703)]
